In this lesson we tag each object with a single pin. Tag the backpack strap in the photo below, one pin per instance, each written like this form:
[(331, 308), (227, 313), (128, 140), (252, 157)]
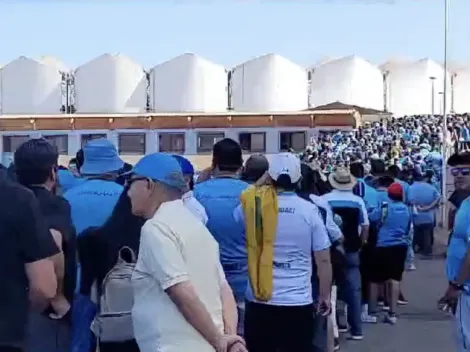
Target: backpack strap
[(359, 189), (128, 250)]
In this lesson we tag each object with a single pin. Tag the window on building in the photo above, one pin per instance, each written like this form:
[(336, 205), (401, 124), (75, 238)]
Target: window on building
[(206, 140), (171, 142), (90, 136), (252, 142), (11, 143), (294, 140), (131, 143), (60, 141)]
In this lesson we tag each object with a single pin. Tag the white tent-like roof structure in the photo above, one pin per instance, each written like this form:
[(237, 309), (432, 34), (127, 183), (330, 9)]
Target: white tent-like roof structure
[(50, 60), (28, 86), (462, 91), (110, 84), (269, 83), (414, 88), (350, 80), (188, 83)]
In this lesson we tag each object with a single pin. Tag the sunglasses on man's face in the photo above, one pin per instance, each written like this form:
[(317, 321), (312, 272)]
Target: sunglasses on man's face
[(130, 180), (464, 171)]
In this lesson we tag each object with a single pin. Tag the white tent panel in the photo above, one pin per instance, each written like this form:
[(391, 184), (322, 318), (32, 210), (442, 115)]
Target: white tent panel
[(50, 60), (269, 83), (110, 84), (188, 83), (462, 91), (412, 91), (28, 86), (394, 63), (350, 80)]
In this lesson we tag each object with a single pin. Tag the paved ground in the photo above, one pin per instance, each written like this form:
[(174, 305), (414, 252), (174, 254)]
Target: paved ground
[(421, 326)]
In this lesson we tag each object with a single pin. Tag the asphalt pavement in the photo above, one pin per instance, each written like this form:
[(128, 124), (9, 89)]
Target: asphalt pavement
[(421, 327)]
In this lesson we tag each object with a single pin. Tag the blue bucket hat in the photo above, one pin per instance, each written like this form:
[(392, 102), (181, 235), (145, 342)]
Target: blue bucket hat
[(162, 168), (186, 166), (100, 157)]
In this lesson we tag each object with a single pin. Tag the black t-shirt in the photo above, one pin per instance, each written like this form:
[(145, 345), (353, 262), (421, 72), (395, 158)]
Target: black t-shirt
[(24, 238), (57, 213), (458, 196)]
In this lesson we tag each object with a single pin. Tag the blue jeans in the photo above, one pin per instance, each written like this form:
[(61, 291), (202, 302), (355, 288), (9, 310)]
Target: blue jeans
[(351, 292)]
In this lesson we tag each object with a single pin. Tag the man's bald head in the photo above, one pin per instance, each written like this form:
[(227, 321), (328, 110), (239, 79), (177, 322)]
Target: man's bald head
[(255, 167)]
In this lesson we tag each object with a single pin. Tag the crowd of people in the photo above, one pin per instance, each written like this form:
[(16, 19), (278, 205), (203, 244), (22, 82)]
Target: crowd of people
[(280, 254), (408, 142)]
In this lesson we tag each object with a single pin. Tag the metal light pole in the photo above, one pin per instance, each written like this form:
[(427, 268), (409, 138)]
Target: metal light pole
[(441, 103), (433, 79), (445, 132)]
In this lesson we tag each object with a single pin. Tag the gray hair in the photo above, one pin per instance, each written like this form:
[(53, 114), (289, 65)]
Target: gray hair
[(171, 192)]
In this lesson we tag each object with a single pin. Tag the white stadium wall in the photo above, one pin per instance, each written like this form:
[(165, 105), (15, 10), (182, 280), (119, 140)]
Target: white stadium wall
[(188, 83), (29, 86), (410, 88), (462, 91), (110, 84), (350, 80), (269, 83)]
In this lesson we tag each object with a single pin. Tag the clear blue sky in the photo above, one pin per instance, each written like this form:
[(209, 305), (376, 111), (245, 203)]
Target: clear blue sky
[(230, 32)]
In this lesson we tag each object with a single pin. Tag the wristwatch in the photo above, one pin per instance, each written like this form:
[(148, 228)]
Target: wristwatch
[(456, 286)]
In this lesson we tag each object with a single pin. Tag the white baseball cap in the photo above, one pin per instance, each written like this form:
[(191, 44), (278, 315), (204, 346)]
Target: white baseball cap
[(285, 164)]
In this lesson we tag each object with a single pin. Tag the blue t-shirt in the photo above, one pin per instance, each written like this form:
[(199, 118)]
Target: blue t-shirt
[(423, 194), (369, 196), (68, 180), (300, 232), (375, 215), (92, 202), (459, 243), (395, 227), (220, 197)]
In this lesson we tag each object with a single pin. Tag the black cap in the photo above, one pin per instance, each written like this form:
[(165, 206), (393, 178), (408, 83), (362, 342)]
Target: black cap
[(459, 159)]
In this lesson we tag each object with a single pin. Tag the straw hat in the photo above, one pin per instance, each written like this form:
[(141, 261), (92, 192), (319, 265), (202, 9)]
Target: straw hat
[(342, 179)]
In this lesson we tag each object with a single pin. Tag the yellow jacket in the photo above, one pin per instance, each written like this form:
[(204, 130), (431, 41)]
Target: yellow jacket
[(260, 211)]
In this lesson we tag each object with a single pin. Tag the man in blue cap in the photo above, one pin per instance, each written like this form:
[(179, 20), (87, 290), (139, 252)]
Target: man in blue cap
[(188, 198), (178, 276), (92, 202)]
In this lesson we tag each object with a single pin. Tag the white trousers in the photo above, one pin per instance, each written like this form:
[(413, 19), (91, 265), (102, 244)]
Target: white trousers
[(334, 290)]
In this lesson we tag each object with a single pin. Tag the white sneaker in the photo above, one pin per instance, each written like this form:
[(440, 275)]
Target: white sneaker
[(411, 267), (356, 337), (369, 319), (390, 319)]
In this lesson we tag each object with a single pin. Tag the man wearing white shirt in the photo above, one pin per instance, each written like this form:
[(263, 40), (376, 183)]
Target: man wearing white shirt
[(182, 301), (189, 200)]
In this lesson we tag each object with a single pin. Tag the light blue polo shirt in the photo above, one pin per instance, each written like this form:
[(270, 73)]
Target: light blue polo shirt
[(220, 197), (300, 232), (459, 243), (423, 194), (395, 227), (92, 202)]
